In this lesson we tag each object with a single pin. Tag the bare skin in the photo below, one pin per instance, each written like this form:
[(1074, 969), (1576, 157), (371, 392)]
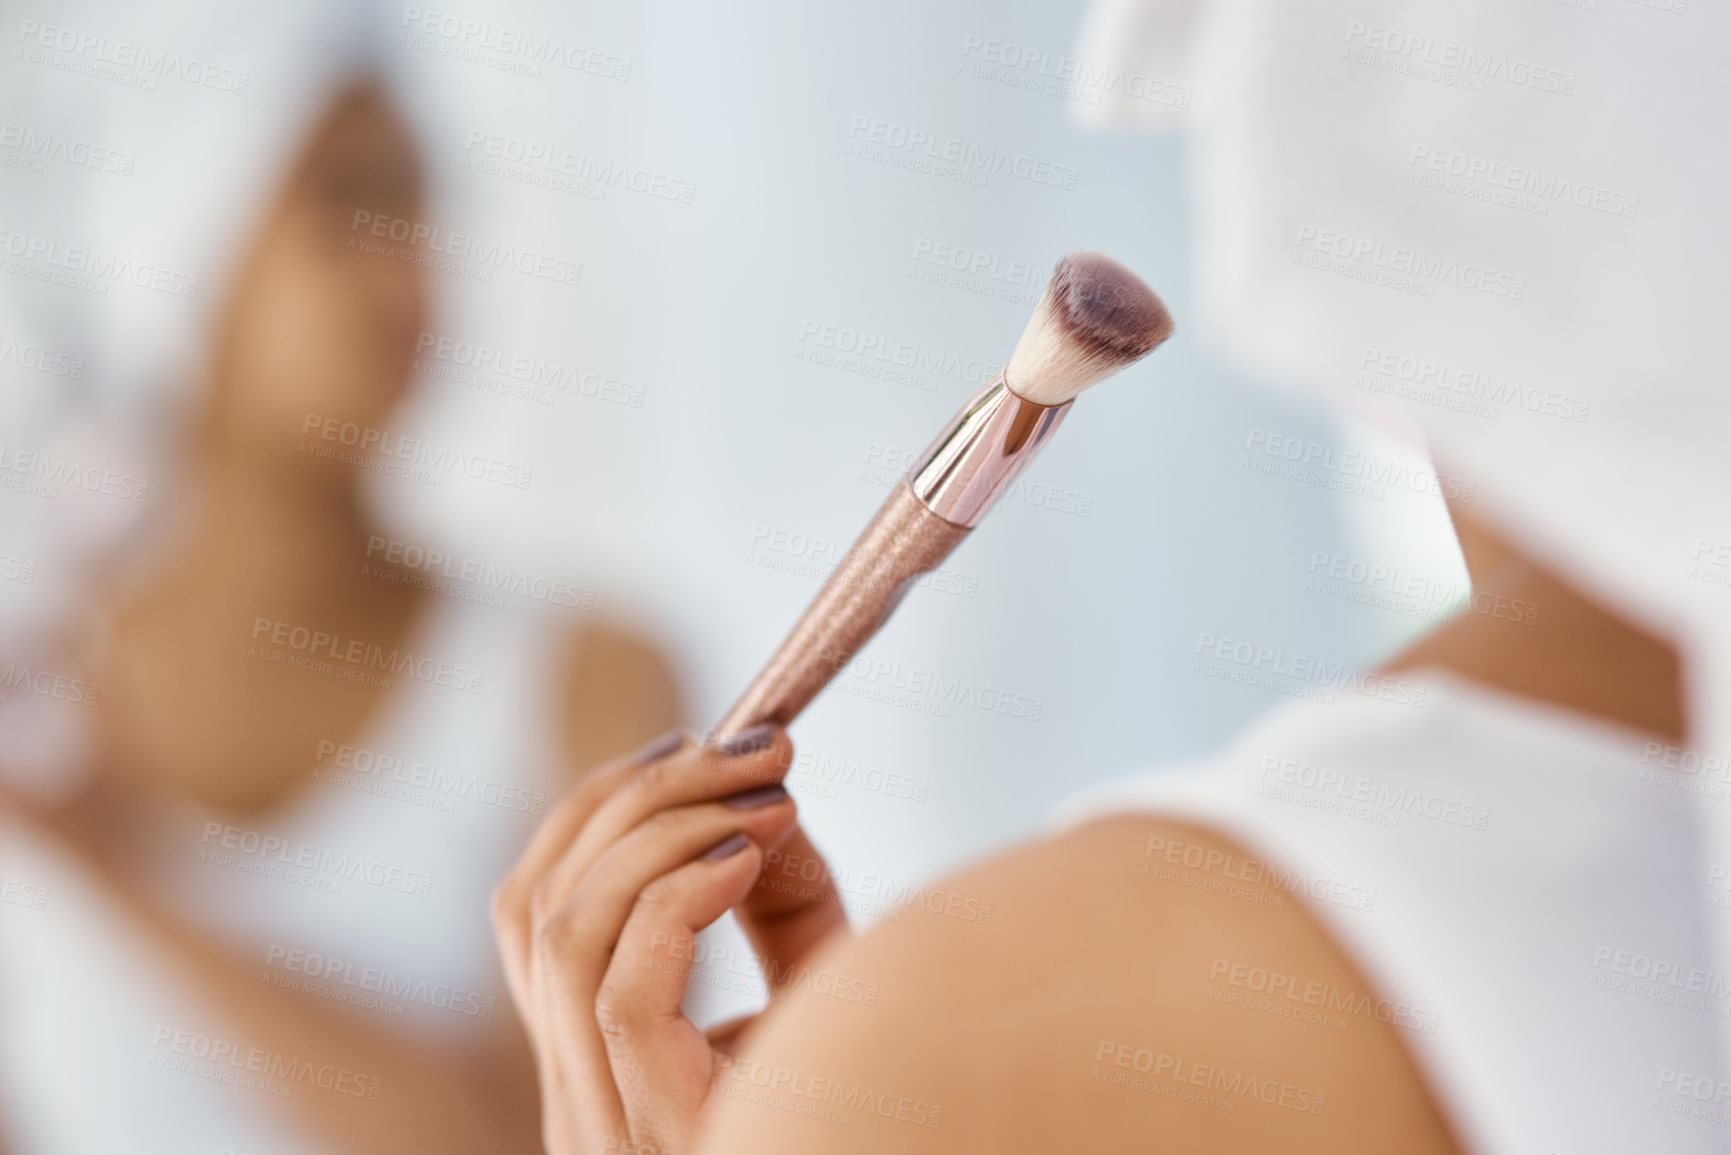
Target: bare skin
[(1577, 655), (311, 326), (997, 1029)]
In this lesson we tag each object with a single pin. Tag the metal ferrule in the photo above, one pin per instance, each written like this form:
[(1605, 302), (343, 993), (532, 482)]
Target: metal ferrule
[(981, 451), (974, 460)]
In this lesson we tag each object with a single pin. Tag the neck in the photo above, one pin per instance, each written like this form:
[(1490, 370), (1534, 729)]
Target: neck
[(293, 539), (1558, 646), (186, 703)]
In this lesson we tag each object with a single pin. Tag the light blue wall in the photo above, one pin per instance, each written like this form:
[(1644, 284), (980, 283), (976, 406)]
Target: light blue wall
[(704, 305)]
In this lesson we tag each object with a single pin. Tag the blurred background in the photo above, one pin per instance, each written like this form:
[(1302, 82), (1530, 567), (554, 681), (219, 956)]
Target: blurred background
[(766, 439), (682, 289)]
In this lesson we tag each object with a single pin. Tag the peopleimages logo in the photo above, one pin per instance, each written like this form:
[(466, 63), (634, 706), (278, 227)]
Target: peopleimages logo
[(348, 765), (359, 658), (483, 576), (816, 773), (709, 961), (831, 1100), (1166, 855), (530, 50), (1470, 384), (540, 162), (873, 354), (976, 271), (365, 439), (46, 684), (1399, 266), (99, 56), (886, 465), (462, 247), (1070, 77), (929, 691), (1665, 979), (36, 145), (1386, 587), (88, 270), (1351, 466), (1446, 61), (304, 863), (1695, 1095), (42, 474), (27, 356), (528, 376), (1495, 176), (811, 556), (255, 1061), (922, 150), (877, 895), (1203, 1084), (368, 986), (23, 894), (1287, 672), (1322, 787), (1328, 998)]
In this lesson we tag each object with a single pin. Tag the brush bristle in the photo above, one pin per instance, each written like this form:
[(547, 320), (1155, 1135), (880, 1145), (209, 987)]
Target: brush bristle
[(1094, 318)]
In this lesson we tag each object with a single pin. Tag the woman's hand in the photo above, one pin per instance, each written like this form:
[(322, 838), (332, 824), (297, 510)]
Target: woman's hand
[(597, 921)]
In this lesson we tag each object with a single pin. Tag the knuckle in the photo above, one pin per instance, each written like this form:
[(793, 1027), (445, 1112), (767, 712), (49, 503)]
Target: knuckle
[(617, 1014), (591, 792), (507, 905), (557, 934), (664, 823), (658, 778), (541, 906), (661, 892)]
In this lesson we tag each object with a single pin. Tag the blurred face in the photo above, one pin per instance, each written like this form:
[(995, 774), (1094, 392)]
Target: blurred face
[(325, 314)]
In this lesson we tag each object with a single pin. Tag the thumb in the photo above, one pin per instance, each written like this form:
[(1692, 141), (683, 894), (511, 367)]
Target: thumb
[(791, 910)]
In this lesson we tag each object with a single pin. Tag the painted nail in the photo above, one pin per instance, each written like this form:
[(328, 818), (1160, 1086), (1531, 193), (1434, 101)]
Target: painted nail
[(658, 749), (757, 799), (748, 741), (727, 849)]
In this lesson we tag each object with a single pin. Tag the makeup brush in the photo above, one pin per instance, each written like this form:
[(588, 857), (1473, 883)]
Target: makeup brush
[(1095, 318)]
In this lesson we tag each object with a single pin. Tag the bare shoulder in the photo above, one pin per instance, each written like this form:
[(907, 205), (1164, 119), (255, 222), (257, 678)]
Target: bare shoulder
[(1090, 992), (617, 689)]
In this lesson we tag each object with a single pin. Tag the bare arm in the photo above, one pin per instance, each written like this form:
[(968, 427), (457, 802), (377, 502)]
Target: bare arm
[(616, 692), (1077, 1017)]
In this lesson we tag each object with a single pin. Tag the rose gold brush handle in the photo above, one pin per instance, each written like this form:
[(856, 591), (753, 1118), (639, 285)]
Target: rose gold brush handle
[(972, 461), (904, 540)]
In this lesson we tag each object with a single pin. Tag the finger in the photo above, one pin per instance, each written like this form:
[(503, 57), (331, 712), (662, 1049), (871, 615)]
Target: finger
[(579, 1101), (512, 917), (758, 757), (575, 937), (596, 907), (661, 1062), (793, 908), (559, 1133)]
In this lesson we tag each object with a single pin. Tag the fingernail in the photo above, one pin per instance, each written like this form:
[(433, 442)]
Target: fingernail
[(727, 849), (660, 748), (757, 799), (748, 741)]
